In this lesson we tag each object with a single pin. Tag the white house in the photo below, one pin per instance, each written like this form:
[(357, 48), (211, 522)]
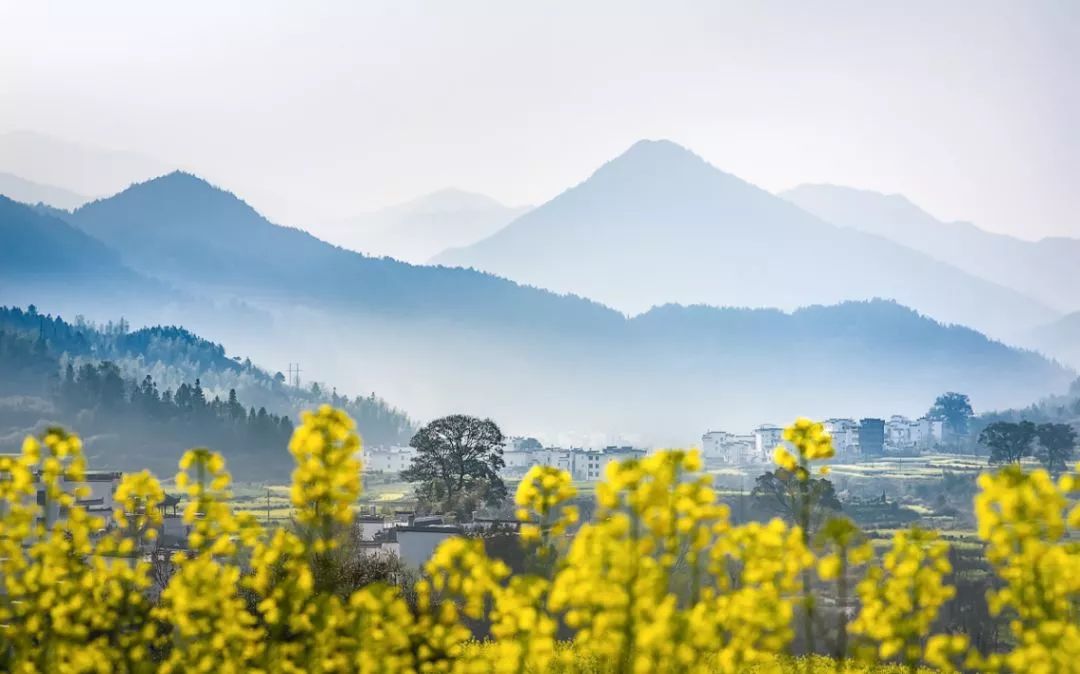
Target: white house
[(387, 459), (371, 526), (729, 448), (845, 436), (901, 433), (766, 438), (518, 461), (931, 433), (588, 465), (613, 453), (414, 545)]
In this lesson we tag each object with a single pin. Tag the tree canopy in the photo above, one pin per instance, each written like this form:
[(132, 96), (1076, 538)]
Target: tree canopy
[(457, 464), (781, 493), (1008, 442), (955, 410), (1057, 442)]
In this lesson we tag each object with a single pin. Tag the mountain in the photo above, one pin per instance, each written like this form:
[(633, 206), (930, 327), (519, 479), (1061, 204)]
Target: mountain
[(416, 230), (14, 187), (439, 340), (183, 230), (46, 260), (36, 244), (71, 166), (1047, 270), (658, 224), (1060, 338)]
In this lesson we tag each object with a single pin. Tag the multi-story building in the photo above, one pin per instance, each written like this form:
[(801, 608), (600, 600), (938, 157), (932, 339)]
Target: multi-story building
[(931, 433), (613, 453), (582, 464), (588, 465), (845, 437), (905, 435), (899, 435), (766, 438), (871, 437), (517, 461), (729, 448), (387, 459)]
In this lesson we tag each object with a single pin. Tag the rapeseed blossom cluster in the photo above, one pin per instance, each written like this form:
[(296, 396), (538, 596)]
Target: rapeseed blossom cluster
[(901, 598), (811, 443), (660, 579), (542, 505), (1030, 525)]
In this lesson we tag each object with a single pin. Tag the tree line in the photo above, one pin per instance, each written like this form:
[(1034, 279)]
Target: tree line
[(101, 387), (81, 373), (1053, 444)]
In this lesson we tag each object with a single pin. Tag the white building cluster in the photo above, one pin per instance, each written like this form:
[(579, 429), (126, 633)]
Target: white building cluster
[(730, 449), (582, 464), (852, 439), (519, 457), (903, 434)]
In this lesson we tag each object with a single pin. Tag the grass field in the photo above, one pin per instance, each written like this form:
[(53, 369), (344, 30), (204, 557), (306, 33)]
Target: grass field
[(270, 502)]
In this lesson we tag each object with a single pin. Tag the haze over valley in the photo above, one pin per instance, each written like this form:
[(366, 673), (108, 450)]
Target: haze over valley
[(666, 296)]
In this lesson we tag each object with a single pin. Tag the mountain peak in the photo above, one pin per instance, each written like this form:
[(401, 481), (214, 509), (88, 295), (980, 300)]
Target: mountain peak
[(659, 166), (174, 189), (179, 202), (658, 151), (449, 199), (178, 178)]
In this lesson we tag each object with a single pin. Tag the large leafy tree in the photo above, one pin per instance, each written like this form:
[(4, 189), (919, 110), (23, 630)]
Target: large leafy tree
[(955, 410), (1008, 442), (1057, 442), (457, 464), (779, 492)]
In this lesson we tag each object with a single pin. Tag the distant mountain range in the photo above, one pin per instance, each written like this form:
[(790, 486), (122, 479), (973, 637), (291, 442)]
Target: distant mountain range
[(418, 229), (438, 340), (29, 192), (46, 259), (1047, 270), (658, 224), (71, 167), (1060, 338), (39, 246)]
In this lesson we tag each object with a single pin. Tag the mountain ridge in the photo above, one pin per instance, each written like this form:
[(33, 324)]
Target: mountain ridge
[(659, 224), (1047, 269), (438, 340), (415, 230), (80, 168), (31, 192)]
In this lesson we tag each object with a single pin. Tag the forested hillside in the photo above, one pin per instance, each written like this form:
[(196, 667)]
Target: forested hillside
[(166, 387)]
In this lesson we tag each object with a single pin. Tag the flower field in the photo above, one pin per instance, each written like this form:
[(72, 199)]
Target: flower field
[(659, 579)]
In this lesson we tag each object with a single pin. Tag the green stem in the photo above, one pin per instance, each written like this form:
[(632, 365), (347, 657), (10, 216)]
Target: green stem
[(841, 619), (808, 597), (628, 631)]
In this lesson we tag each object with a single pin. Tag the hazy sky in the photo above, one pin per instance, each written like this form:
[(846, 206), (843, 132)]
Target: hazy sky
[(316, 110)]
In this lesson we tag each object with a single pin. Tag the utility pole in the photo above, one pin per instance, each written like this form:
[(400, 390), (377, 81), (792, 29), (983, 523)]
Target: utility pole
[(268, 506)]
